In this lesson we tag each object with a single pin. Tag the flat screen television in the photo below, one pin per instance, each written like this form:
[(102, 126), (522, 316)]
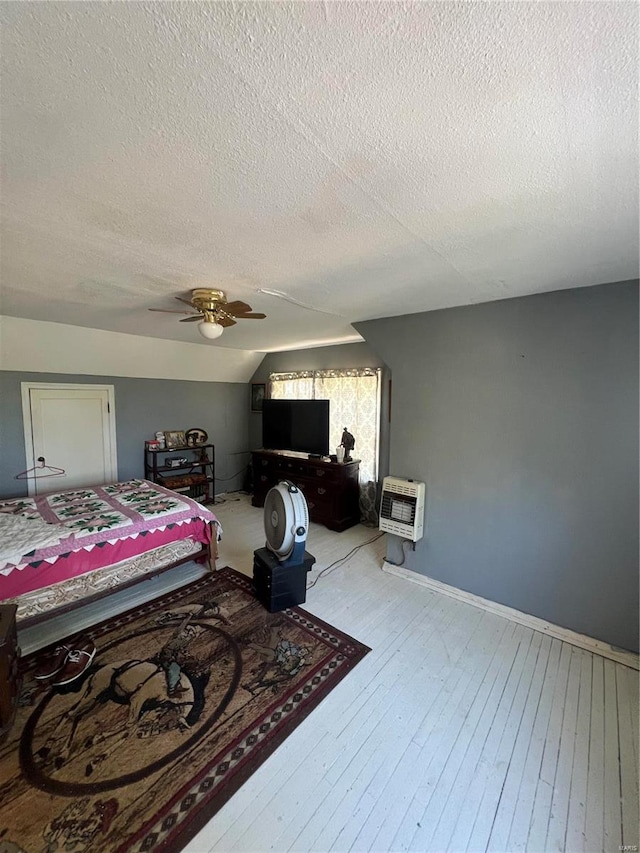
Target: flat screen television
[(300, 425)]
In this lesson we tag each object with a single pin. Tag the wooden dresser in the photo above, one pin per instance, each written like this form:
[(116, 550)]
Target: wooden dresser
[(330, 489), (10, 680)]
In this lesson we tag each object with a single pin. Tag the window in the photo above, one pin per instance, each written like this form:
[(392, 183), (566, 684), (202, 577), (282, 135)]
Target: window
[(354, 396)]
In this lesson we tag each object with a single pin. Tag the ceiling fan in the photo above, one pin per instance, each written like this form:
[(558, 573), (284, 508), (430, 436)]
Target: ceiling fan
[(212, 312)]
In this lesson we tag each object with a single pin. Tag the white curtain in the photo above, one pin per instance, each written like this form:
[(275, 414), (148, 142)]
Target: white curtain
[(354, 396)]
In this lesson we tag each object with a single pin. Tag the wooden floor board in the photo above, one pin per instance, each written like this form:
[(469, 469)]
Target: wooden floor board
[(557, 829), (539, 821), (497, 758), (441, 811), (448, 675), (456, 822), (521, 817), (633, 683), (594, 817), (403, 783), (351, 828), (461, 730), (404, 838), (575, 837), (513, 777), (612, 809), (628, 766)]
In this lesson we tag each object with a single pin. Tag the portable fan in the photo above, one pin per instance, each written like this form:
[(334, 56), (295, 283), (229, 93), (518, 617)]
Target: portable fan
[(286, 522)]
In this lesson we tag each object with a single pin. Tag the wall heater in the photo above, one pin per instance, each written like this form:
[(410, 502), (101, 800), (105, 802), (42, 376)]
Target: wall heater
[(402, 508)]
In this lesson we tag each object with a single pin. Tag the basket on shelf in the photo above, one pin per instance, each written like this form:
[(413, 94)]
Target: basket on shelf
[(181, 481)]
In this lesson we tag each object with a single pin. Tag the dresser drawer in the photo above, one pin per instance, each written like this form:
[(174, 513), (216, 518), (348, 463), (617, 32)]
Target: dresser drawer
[(330, 489), (287, 470)]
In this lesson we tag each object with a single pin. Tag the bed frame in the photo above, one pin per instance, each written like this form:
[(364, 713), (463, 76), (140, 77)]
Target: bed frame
[(42, 604), (90, 584)]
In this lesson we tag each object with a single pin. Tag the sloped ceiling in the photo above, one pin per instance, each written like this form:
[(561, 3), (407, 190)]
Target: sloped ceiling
[(357, 160)]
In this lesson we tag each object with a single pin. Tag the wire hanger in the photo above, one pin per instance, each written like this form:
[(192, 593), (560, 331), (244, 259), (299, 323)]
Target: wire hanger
[(33, 472)]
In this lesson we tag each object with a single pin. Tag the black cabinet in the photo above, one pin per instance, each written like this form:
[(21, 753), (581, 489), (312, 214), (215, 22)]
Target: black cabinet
[(188, 470), (332, 490), (279, 587)]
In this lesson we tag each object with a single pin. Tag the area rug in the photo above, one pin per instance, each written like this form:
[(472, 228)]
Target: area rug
[(185, 698)]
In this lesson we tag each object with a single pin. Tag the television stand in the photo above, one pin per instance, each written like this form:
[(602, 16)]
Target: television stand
[(330, 488)]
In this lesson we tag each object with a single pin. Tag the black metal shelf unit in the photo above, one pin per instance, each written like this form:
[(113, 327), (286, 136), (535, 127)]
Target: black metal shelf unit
[(193, 475)]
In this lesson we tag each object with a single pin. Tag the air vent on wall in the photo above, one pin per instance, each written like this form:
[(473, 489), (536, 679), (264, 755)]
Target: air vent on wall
[(402, 508)]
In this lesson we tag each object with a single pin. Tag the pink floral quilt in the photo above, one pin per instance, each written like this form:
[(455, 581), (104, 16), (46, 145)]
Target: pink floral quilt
[(86, 518)]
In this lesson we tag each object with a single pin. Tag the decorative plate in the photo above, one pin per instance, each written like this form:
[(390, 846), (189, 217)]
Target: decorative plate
[(196, 436)]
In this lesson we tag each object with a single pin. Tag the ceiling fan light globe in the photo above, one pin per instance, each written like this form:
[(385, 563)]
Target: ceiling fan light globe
[(209, 330)]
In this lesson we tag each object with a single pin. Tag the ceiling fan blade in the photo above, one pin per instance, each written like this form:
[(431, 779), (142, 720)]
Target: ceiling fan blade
[(225, 321), (167, 311), (186, 301), (236, 308), (251, 316), (194, 319)]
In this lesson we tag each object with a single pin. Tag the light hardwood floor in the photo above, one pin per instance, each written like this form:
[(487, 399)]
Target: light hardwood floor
[(461, 730)]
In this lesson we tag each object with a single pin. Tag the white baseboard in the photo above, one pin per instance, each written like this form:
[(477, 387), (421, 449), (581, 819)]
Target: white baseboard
[(598, 647)]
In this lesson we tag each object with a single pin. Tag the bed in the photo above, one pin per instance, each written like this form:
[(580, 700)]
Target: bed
[(66, 548)]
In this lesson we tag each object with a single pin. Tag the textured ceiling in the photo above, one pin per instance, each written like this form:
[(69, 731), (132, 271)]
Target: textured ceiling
[(363, 159)]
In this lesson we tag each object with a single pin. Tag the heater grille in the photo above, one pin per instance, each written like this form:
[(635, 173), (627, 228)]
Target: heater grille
[(402, 508)]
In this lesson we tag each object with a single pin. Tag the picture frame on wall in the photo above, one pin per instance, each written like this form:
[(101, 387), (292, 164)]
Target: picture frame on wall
[(257, 396), (174, 438)]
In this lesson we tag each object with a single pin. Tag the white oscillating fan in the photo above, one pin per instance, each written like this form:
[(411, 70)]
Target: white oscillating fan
[(286, 523)]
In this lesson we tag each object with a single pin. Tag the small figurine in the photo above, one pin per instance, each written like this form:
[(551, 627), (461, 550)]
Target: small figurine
[(348, 442)]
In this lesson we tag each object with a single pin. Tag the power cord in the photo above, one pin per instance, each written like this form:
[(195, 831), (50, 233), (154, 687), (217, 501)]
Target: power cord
[(226, 479), (333, 566), (219, 501), (404, 554)]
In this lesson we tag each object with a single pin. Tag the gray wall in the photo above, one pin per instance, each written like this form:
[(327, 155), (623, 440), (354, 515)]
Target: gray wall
[(327, 358), (522, 418), (142, 407)]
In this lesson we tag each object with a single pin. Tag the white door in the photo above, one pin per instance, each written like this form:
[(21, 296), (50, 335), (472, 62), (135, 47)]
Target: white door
[(71, 427)]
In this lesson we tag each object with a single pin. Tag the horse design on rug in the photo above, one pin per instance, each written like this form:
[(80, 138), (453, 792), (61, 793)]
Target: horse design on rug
[(144, 686), (161, 696), (209, 609)]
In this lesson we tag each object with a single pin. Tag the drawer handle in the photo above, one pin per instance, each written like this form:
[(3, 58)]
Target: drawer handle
[(264, 462), (321, 491), (264, 478), (319, 472), (310, 504)]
